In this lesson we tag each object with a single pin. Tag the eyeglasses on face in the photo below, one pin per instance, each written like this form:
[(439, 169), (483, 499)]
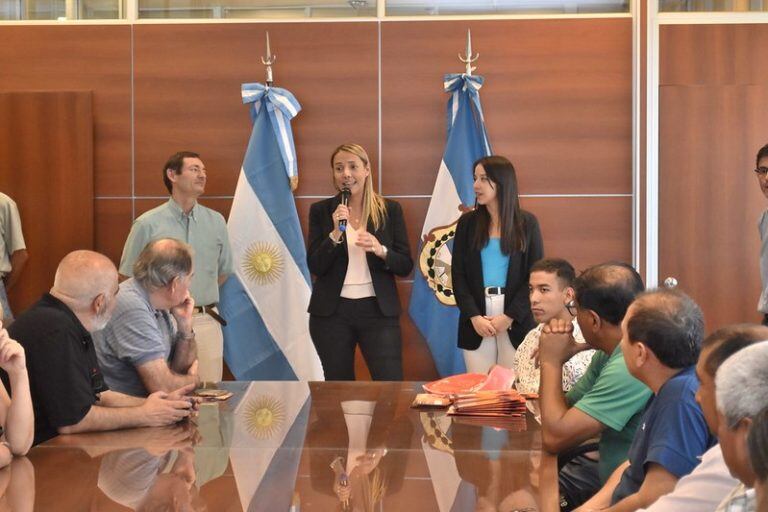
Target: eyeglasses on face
[(197, 170)]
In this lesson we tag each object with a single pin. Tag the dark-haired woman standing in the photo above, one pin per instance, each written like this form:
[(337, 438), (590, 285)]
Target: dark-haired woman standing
[(495, 246)]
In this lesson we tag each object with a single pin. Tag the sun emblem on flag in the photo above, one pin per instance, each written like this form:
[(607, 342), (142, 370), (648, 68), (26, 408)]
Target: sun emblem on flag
[(263, 263), (264, 416), (435, 263)]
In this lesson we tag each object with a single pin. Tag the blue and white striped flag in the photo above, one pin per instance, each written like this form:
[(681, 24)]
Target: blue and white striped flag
[(265, 302), (451, 492), (267, 442), (433, 305)]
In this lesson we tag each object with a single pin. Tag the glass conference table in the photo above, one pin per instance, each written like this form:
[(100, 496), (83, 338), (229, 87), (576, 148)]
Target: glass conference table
[(292, 446)]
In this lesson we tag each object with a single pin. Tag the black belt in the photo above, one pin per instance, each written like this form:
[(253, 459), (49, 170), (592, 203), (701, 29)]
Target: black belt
[(208, 310), (494, 290)]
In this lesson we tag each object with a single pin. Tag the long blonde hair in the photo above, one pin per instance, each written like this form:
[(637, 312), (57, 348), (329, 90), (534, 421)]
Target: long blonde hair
[(367, 490), (374, 206)]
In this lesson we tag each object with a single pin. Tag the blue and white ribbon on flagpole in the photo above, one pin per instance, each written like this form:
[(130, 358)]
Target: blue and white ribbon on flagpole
[(457, 83), (265, 303), (281, 107), (433, 305)]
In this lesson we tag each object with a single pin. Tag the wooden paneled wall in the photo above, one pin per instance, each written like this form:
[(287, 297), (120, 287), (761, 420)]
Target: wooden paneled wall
[(557, 101), (46, 166), (713, 101)]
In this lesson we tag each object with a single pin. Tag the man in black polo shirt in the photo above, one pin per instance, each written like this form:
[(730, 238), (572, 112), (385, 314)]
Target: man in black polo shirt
[(68, 390)]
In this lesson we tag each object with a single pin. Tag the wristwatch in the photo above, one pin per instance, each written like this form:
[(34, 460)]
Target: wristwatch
[(384, 250)]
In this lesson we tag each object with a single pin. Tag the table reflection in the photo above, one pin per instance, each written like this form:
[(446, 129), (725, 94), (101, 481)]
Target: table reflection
[(482, 468), (145, 481), (294, 447), (359, 447), (17, 486)]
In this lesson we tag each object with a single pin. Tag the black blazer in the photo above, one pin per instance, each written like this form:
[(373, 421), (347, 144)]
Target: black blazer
[(328, 261), (467, 279)]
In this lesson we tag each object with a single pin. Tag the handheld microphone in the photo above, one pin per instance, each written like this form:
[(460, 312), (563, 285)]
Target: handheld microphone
[(345, 201)]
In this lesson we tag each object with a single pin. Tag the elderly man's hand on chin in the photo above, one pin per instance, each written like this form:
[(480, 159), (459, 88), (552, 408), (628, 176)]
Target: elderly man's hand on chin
[(556, 344), (183, 313)]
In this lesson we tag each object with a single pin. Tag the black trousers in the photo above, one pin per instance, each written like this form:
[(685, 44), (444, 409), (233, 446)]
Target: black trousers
[(358, 321), (579, 481)]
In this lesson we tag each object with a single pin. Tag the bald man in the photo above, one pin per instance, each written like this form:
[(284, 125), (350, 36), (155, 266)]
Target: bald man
[(68, 390), (149, 344)]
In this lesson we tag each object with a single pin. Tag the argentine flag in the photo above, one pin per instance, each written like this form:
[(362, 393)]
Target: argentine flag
[(433, 306), (267, 442), (265, 302)]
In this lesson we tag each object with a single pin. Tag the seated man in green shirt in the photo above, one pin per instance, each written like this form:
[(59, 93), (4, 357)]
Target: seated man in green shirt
[(607, 401)]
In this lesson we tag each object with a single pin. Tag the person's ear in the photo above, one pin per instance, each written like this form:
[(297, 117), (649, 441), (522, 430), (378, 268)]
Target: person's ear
[(594, 320), (99, 304), (570, 294), (173, 285), (744, 425), (641, 353)]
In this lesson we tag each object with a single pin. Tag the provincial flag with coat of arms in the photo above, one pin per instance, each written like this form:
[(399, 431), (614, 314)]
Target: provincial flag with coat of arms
[(433, 306)]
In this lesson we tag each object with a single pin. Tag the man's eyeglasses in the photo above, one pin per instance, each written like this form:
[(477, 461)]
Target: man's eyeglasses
[(571, 307), (762, 171), (196, 170)]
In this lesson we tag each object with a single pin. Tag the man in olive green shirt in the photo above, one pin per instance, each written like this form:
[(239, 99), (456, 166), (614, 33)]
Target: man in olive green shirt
[(607, 401), (183, 218)]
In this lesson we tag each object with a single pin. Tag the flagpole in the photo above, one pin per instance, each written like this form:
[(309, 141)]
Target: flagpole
[(267, 336), (433, 303)]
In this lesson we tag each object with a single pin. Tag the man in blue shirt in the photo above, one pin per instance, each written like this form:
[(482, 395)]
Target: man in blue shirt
[(607, 402), (661, 340)]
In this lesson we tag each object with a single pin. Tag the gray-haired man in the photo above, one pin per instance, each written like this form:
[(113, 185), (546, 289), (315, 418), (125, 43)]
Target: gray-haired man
[(740, 384), (149, 344), (68, 391), (185, 219), (711, 481)]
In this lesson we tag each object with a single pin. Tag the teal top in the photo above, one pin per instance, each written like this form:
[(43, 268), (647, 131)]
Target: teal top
[(204, 229), (612, 396), (495, 264)]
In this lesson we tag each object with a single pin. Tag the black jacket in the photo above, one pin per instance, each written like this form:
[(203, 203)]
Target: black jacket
[(467, 279), (328, 261)]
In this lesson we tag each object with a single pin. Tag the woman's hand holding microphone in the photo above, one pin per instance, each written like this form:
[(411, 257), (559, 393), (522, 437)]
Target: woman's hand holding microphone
[(340, 213), (365, 240)]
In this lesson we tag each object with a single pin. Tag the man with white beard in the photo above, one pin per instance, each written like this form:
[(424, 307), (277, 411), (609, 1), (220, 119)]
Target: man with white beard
[(68, 390)]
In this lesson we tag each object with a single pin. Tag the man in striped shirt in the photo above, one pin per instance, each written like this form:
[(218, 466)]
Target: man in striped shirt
[(149, 344)]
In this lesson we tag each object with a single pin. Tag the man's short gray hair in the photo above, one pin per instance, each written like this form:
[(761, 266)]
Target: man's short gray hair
[(741, 384), (161, 262)]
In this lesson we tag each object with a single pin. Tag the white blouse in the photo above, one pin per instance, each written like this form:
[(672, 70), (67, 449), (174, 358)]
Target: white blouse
[(357, 283)]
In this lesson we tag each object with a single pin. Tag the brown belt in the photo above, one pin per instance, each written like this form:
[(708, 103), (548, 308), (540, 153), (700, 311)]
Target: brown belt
[(208, 310)]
